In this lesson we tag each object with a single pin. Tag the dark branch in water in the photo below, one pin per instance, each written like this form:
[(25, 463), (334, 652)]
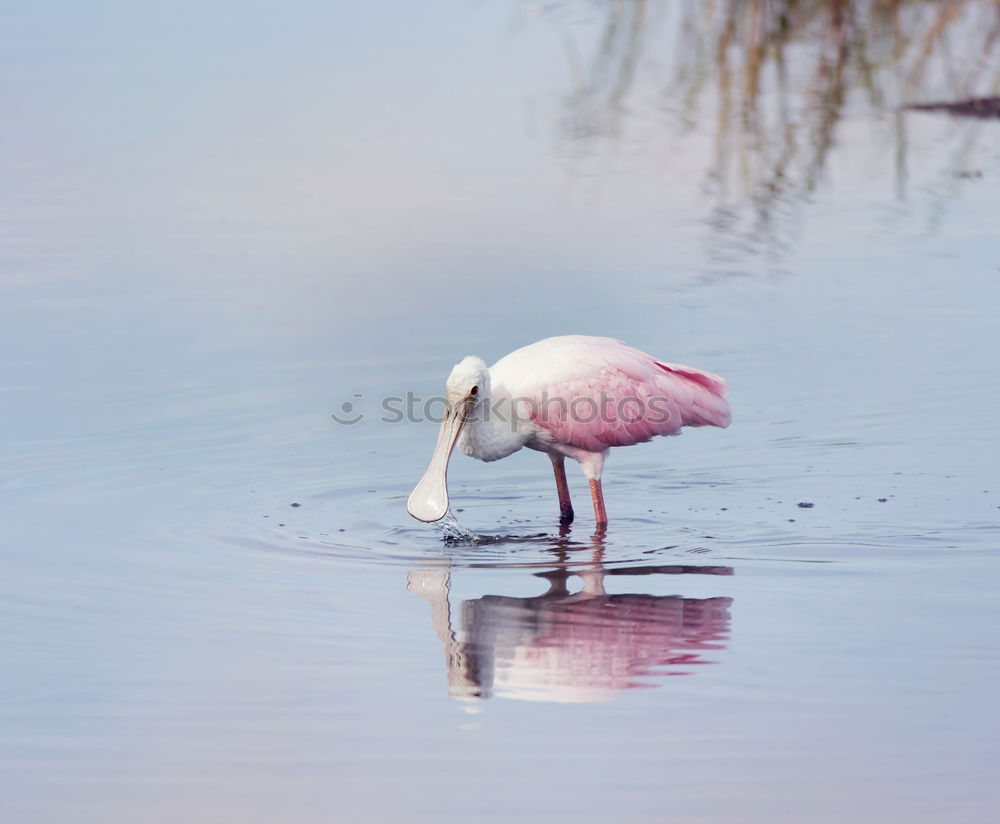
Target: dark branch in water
[(987, 108)]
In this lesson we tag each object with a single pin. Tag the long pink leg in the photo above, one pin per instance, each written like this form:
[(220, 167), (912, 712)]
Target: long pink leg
[(562, 488), (600, 513)]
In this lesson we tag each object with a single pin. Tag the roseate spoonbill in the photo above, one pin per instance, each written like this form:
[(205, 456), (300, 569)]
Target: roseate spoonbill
[(571, 397)]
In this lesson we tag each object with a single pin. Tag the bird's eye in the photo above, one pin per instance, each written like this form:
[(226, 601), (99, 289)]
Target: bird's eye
[(474, 390)]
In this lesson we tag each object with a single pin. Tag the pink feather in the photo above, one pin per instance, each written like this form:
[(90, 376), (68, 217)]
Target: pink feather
[(595, 393)]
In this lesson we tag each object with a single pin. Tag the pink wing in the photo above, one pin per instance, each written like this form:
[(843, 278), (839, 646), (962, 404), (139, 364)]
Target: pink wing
[(595, 393)]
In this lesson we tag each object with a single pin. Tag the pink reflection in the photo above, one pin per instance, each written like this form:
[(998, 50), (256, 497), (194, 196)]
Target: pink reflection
[(580, 647)]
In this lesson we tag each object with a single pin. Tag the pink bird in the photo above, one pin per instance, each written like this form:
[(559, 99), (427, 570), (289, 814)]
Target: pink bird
[(571, 397)]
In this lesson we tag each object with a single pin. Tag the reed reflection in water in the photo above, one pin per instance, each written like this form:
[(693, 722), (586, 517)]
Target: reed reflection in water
[(773, 81), (579, 647)]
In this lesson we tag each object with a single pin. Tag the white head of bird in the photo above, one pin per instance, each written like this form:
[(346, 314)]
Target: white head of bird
[(469, 377)]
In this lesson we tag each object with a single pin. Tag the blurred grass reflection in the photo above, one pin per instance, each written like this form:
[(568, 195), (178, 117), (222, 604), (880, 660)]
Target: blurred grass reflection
[(773, 81)]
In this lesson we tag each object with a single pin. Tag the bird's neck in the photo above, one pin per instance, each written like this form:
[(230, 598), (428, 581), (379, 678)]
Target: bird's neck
[(494, 431)]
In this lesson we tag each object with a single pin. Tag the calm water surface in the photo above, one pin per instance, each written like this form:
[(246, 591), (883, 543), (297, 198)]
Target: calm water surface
[(221, 225)]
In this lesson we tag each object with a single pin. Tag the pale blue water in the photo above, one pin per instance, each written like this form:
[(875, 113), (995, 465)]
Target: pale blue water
[(222, 224)]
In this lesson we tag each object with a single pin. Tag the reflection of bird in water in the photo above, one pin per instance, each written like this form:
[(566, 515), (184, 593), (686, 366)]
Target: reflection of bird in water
[(572, 396), (580, 647)]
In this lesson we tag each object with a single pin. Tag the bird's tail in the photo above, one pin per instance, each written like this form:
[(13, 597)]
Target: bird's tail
[(706, 405)]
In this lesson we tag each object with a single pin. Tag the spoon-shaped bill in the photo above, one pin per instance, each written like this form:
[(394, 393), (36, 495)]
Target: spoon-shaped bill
[(429, 499)]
